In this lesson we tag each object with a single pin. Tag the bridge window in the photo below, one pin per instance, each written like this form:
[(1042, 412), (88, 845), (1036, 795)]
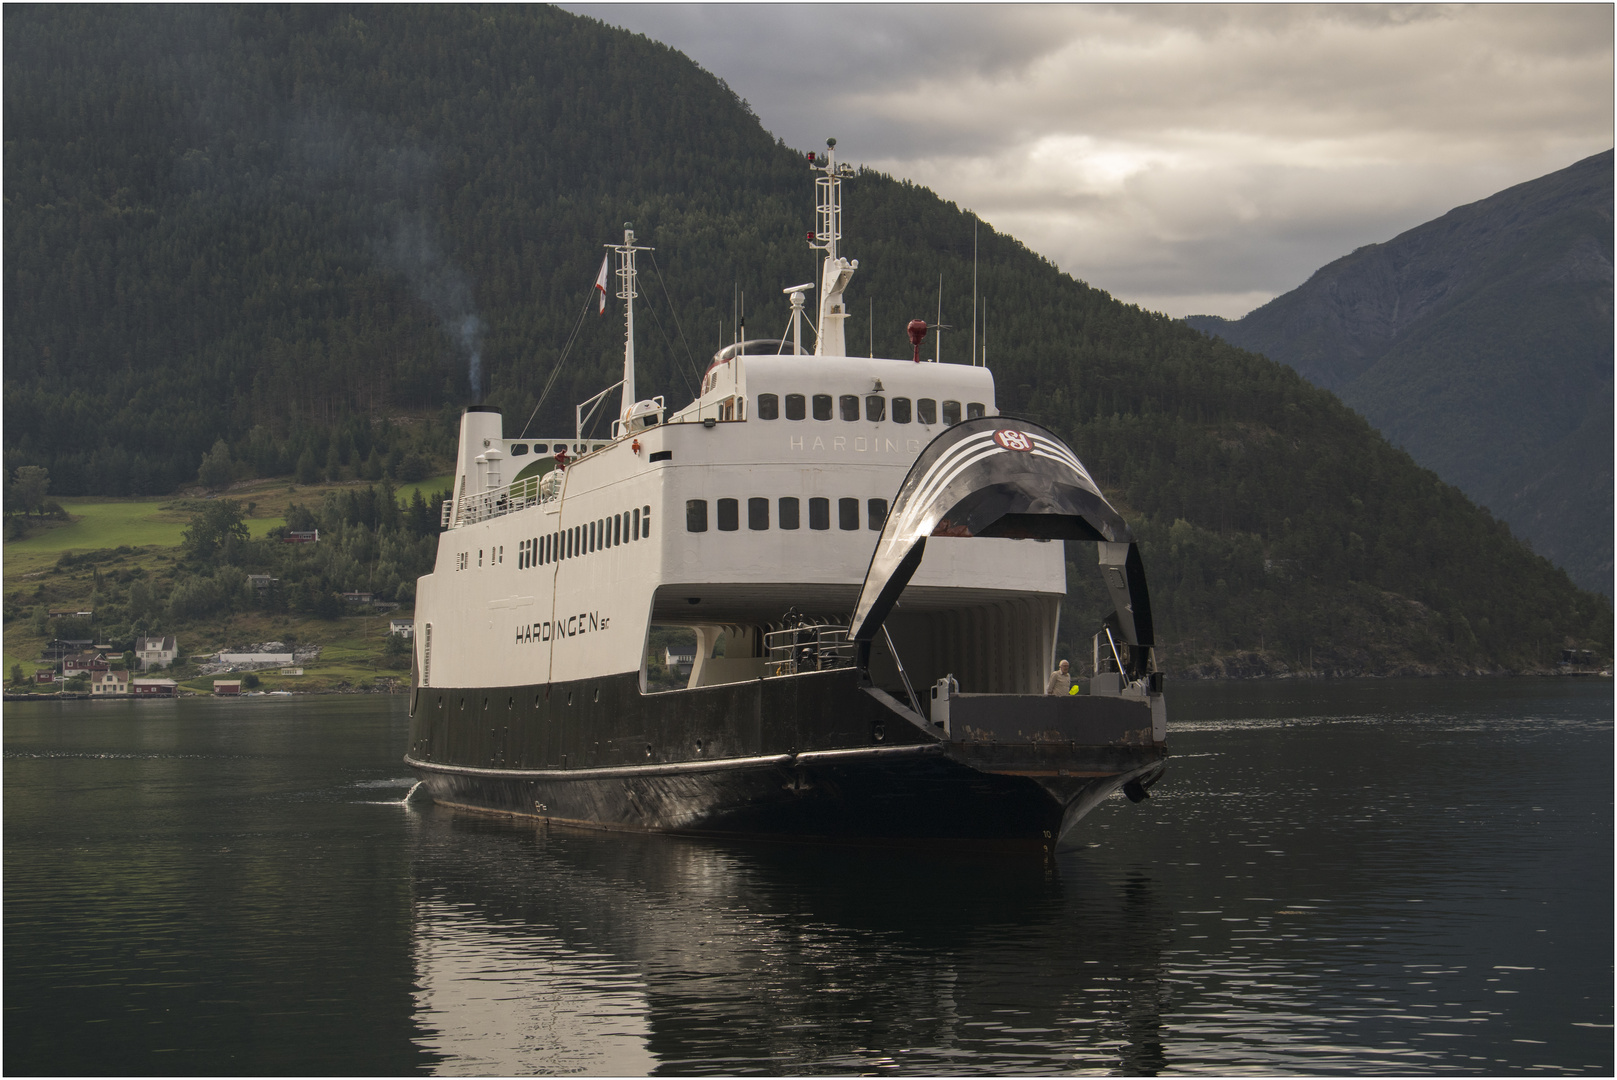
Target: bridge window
[(729, 515), (768, 407), (820, 514), (696, 515), (788, 513), (926, 410), (875, 408), (822, 406), (645, 522), (901, 410), (794, 407), (951, 413), (617, 529), (848, 513), (634, 527), (849, 404), (974, 410), (876, 509), (757, 514)]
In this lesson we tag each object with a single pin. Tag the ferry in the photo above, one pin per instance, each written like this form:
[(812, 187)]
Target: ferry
[(870, 558)]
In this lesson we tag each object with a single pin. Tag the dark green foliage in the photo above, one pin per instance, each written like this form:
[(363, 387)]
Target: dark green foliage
[(281, 226), (216, 532)]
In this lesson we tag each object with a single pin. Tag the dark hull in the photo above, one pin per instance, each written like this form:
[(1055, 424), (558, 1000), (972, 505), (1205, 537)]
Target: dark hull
[(812, 755)]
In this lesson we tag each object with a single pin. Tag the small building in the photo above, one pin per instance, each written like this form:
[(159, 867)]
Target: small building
[(110, 682), (68, 613), (46, 676), (291, 671), (155, 687), (256, 658), (296, 536), (227, 687), (262, 583), (357, 597), (404, 628), (85, 663), (61, 647), (156, 652), (679, 661)]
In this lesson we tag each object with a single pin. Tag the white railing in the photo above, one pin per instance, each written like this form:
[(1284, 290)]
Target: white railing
[(508, 500), (809, 648)]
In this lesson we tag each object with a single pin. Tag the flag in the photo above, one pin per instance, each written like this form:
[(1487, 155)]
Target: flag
[(600, 281)]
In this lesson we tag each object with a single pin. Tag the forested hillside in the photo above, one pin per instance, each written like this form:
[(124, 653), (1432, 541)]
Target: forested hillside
[(1481, 342), (285, 226)]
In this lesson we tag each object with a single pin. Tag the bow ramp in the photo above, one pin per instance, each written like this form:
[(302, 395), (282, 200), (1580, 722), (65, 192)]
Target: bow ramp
[(1007, 478)]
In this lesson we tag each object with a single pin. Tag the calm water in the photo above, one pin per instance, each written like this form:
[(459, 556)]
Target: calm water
[(1397, 876)]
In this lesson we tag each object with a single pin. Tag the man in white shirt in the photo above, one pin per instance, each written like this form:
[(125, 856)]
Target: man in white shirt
[(1060, 681)]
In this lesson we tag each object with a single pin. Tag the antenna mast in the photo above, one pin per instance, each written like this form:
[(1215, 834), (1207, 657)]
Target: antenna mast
[(836, 271), (626, 293)]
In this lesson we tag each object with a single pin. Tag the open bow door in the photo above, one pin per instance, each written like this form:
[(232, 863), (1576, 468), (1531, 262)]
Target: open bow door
[(1001, 477)]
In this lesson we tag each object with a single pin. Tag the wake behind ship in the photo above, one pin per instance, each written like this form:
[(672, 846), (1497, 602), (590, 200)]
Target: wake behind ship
[(869, 557)]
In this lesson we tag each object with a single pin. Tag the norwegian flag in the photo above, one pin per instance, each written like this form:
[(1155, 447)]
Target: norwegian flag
[(600, 281)]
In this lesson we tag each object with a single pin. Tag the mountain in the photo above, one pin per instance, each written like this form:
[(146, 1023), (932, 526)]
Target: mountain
[(1481, 342), (313, 233)]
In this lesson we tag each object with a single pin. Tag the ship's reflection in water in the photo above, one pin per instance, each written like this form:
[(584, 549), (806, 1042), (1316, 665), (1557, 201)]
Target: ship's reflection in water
[(545, 951)]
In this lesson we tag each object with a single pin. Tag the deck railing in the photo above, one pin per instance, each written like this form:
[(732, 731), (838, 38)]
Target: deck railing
[(823, 647), (508, 500)]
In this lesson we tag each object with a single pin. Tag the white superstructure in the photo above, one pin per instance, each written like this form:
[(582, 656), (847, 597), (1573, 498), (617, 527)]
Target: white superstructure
[(765, 494)]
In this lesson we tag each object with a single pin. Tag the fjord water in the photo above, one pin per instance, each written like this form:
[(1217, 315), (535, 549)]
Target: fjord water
[(1381, 876)]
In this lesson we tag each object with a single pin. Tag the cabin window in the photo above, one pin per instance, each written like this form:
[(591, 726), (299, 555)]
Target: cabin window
[(849, 405), (901, 410), (876, 509), (729, 515), (634, 527), (757, 514), (768, 407), (519, 450), (848, 513), (589, 541), (645, 521), (822, 406), (875, 408), (794, 407), (820, 514), (951, 413), (696, 515), (788, 513), (974, 410), (926, 410), (617, 529), (540, 448)]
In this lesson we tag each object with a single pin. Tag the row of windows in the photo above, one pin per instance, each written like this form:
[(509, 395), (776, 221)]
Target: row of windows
[(597, 535), (521, 449), (923, 410), (788, 514)]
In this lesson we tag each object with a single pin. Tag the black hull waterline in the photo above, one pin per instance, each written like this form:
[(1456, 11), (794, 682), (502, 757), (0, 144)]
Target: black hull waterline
[(814, 755)]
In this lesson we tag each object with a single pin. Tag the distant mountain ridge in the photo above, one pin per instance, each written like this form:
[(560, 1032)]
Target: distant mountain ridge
[(1481, 342)]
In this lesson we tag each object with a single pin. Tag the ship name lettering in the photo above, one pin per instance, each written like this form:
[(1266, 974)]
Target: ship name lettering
[(582, 623)]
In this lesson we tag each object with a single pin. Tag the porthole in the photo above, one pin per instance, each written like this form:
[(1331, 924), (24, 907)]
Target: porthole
[(698, 746), (820, 514), (901, 410), (822, 406), (769, 407), (794, 406), (729, 515), (597, 695), (510, 703), (848, 405), (875, 408), (951, 412), (848, 514), (926, 410)]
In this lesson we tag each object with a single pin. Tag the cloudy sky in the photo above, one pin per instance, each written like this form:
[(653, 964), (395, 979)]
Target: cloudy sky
[(1197, 159)]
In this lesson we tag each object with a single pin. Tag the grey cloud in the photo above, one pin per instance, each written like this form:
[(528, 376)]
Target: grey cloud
[(1160, 151)]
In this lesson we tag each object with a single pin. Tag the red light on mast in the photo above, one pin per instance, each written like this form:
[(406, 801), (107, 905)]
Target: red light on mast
[(917, 329)]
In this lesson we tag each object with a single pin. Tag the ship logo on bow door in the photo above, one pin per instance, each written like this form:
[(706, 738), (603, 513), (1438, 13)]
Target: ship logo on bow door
[(1011, 439)]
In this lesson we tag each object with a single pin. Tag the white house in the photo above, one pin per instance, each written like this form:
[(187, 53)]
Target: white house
[(156, 652), (404, 628), (680, 661), (109, 682)]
